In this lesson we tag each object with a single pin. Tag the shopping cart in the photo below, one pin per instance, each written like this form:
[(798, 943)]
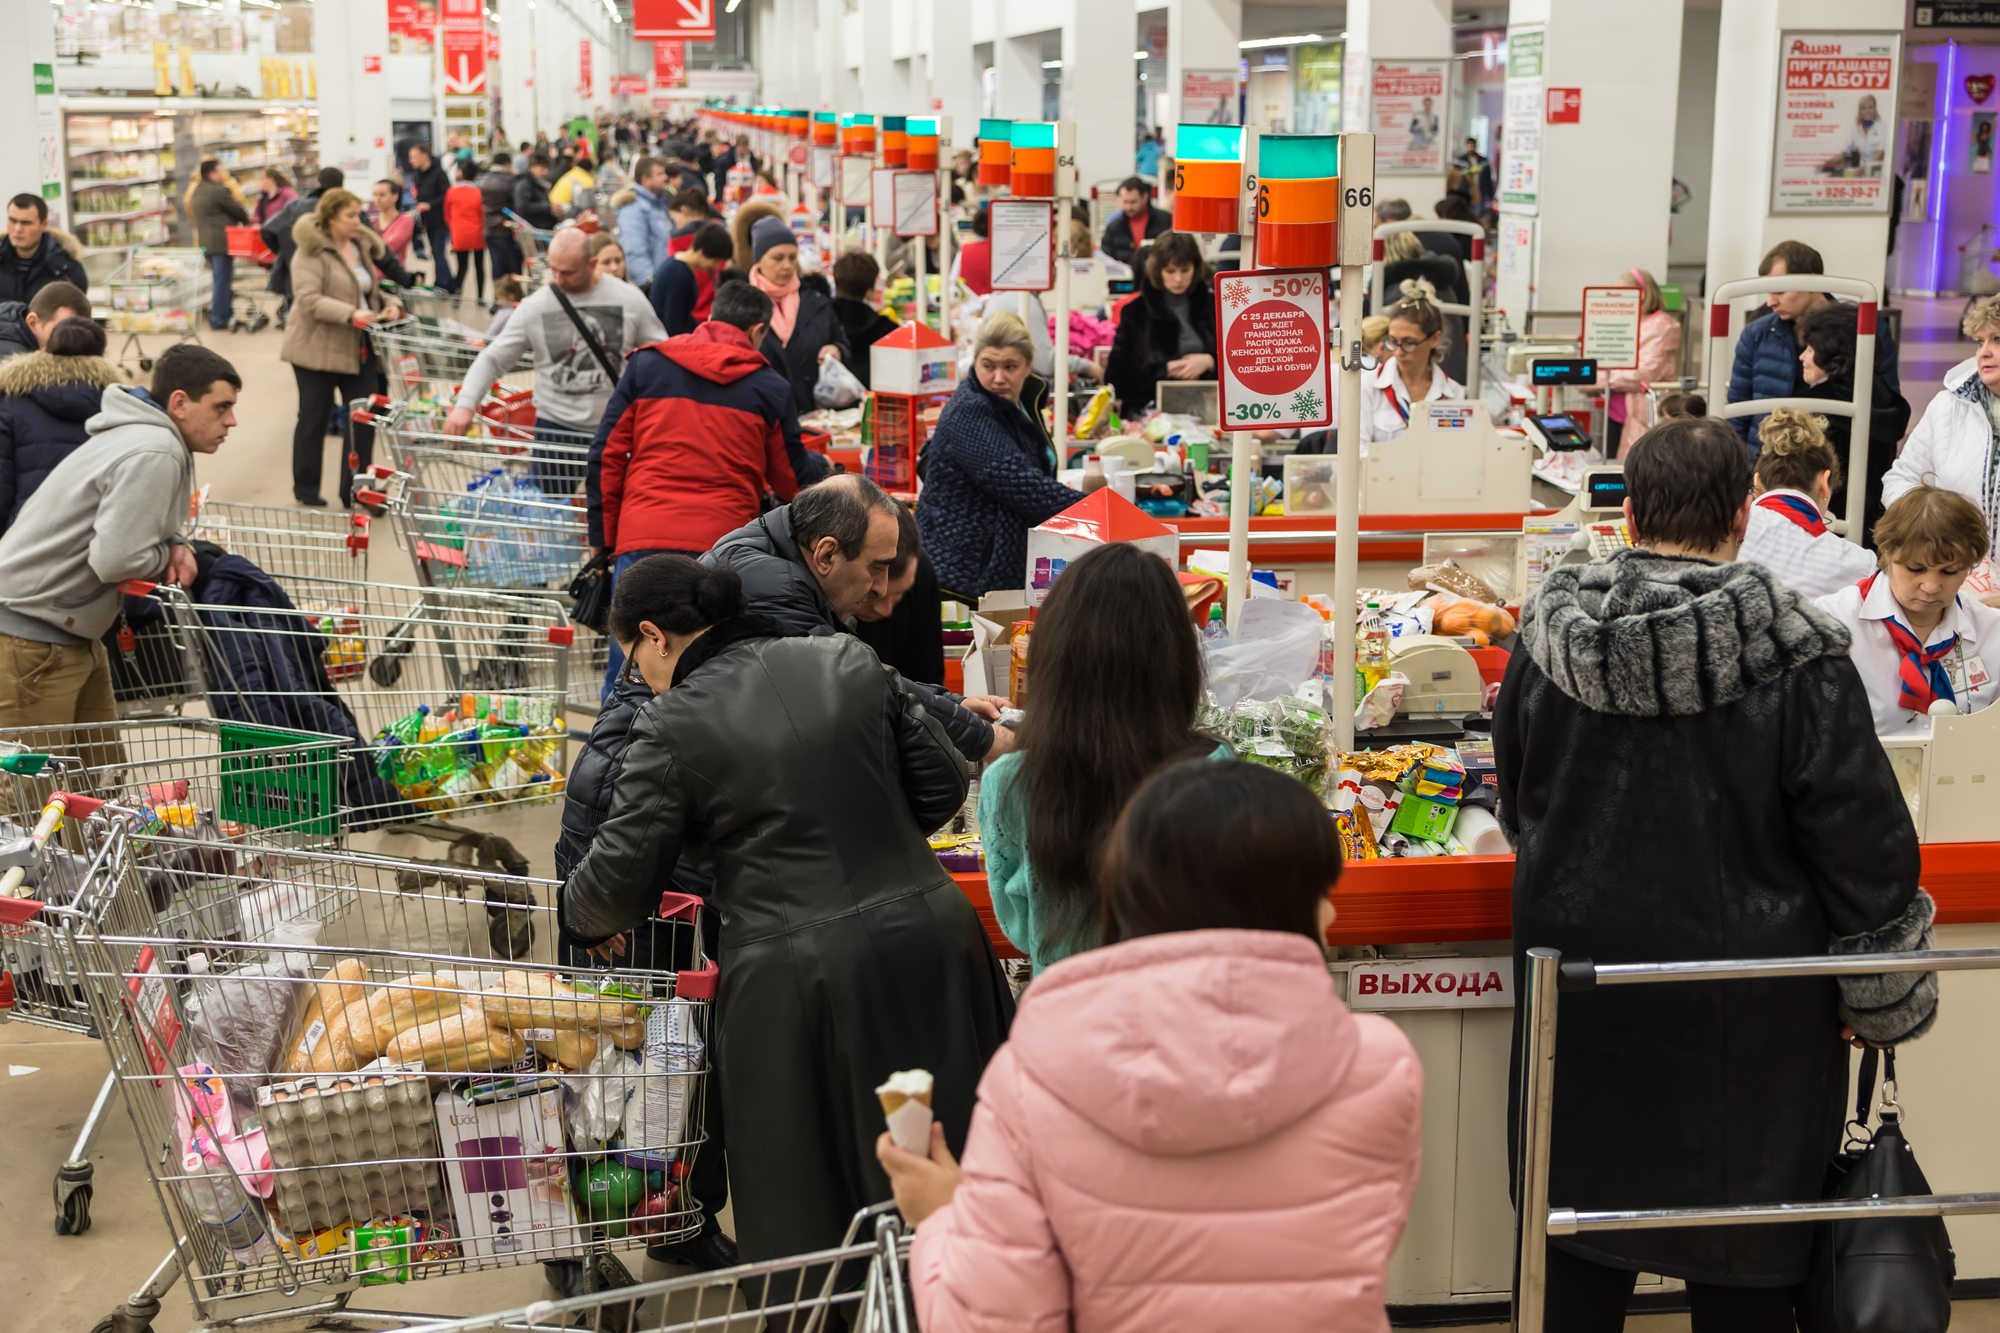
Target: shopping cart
[(439, 1086), (424, 300), (427, 358), (533, 242), (189, 787), (250, 278), (285, 542), (456, 695), (158, 289)]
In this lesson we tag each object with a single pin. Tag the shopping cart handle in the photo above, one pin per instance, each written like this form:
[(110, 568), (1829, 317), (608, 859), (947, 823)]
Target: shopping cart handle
[(380, 471), (137, 588), (365, 418), (26, 765), (80, 807), (698, 985), (371, 499), (562, 635), (673, 905)]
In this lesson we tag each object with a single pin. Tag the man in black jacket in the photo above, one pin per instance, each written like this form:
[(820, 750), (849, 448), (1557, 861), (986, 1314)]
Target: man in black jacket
[(496, 198), (36, 254), (429, 183), (810, 565), (531, 194), (211, 209), (1137, 221)]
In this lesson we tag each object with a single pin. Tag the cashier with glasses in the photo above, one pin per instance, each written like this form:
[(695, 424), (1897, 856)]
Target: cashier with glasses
[(1917, 639), (1410, 370)]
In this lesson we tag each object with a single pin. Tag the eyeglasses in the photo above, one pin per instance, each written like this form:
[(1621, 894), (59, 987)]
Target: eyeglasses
[(1404, 344)]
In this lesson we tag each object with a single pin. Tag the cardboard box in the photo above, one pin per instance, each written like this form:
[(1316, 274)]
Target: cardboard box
[(915, 359), (1100, 517), (295, 30), (992, 629), (509, 1180)]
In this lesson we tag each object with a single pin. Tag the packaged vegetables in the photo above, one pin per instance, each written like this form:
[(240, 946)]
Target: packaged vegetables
[(486, 747)]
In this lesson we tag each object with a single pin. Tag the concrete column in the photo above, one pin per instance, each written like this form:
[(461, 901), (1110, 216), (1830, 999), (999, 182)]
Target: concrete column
[(1095, 54), (1607, 180), (881, 94), (354, 123), (1201, 34), (1018, 64), (516, 80), (831, 55), (1740, 228), (34, 43), (953, 80), (1396, 30)]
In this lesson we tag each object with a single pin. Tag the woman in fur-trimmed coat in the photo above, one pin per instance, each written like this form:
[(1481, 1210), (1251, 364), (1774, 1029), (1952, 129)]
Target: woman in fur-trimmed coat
[(46, 397), (1689, 770)]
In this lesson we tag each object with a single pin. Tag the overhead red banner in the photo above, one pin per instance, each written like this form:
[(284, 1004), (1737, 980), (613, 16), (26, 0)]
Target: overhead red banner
[(691, 20), (669, 64), (464, 61), (583, 67), (407, 20)]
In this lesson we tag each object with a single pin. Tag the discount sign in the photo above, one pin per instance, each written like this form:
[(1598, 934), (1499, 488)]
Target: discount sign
[(1271, 327)]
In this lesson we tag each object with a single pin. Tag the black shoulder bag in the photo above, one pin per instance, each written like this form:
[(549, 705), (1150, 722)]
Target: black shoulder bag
[(590, 338), (1880, 1275), (592, 585)]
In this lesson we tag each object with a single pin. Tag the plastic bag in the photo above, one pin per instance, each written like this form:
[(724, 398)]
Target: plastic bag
[(594, 1097), (1275, 648), (837, 385), (239, 1022)]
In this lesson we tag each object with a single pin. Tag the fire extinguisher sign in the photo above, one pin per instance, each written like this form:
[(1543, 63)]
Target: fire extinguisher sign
[(1271, 329)]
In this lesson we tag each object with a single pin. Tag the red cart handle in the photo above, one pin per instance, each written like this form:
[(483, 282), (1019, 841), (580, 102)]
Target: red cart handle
[(700, 985)]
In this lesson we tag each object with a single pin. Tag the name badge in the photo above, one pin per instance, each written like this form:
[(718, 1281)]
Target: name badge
[(1975, 673)]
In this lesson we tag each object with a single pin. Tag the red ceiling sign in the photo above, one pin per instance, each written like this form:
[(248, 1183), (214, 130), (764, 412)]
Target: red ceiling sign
[(464, 61), (407, 20), (692, 20), (583, 67), (669, 63)]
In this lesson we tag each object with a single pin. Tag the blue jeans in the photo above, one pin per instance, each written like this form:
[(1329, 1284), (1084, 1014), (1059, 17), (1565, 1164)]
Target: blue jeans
[(221, 271), (557, 472), (616, 663)]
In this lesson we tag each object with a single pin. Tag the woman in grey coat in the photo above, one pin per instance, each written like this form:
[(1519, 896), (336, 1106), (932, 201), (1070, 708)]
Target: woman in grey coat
[(798, 774)]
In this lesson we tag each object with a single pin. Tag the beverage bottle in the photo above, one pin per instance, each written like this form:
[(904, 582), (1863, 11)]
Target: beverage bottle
[(1093, 473), (1017, 664), (1217, 629), (1371, 649), (231, 1215)]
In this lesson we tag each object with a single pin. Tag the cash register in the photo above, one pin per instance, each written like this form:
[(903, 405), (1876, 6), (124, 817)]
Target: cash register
[(1591, 528)]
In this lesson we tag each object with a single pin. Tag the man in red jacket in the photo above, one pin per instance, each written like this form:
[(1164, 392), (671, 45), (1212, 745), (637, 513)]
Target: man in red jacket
[(698, 430)]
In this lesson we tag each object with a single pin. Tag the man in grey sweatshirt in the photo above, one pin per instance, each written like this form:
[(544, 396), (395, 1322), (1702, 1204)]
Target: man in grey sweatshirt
[(109, 512)]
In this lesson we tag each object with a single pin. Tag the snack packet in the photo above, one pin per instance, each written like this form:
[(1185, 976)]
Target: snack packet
[(906, 1105)]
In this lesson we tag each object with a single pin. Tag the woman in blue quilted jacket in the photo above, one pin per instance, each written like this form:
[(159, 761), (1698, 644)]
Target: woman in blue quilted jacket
[(990, 468)]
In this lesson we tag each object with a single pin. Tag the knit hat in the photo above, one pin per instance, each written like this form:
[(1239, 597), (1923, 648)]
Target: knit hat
[(767, 234)]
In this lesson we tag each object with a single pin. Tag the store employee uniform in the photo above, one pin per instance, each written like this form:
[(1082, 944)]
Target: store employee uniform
[(1788, 536), (1385, 402), (1901, 678)]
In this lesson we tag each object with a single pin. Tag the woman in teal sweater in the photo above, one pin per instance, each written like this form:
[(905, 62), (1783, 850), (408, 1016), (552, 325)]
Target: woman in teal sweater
[(1116, 685)]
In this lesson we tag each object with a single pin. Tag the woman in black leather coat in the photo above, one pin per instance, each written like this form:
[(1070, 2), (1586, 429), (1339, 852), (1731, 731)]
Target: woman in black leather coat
[(797, 773)]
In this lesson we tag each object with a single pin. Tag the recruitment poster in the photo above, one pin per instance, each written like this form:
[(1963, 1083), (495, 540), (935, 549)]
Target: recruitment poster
[(1409, 123), (1208, 97), (1836, 122)]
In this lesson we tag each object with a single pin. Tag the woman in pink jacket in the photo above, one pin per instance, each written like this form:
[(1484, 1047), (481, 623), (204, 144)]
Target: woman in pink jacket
[(1185, 1129), (1659, 358)]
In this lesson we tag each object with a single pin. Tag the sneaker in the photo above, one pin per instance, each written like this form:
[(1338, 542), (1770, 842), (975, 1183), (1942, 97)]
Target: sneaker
[(710, 1250)]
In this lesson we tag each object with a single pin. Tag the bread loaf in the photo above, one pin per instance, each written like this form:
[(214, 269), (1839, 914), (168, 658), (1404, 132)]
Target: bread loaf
[(461, 1043), (570, 1049), (627, 1036), (308, 1050), (539, 1000)]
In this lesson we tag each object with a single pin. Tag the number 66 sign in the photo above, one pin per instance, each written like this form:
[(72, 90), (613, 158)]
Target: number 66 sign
[(1271, 331)]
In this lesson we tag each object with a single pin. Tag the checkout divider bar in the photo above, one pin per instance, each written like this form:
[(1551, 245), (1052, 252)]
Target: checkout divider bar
[(1549, 974)]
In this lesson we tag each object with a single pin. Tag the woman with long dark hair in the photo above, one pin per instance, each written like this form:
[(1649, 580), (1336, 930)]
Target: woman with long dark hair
[(1117, 680)]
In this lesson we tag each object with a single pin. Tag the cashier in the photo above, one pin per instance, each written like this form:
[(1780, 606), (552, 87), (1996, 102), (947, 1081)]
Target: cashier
[(1410, 370), (1916, 639)]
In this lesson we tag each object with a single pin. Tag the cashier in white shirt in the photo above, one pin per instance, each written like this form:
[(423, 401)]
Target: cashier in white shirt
[(1915, 639), (1409, 371), (1796, 468)]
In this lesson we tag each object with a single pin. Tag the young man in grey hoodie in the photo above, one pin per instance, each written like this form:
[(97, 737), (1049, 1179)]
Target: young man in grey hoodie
[(111, 511)]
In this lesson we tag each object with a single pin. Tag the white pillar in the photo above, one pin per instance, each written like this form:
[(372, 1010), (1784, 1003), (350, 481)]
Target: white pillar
[(34, 43), (1397, 30), (1590, 231), (354, 123), (1740, 228), (953, 80), (1201, 34), (516, 75), (831, 55), (1097, 80), (1018, 66), (880, 94)]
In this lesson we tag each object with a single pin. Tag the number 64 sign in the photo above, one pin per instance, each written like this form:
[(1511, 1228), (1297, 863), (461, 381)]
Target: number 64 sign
[(1271, 333)]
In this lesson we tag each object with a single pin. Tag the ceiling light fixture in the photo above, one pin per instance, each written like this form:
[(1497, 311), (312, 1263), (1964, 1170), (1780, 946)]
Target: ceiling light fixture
[(1256, 42)]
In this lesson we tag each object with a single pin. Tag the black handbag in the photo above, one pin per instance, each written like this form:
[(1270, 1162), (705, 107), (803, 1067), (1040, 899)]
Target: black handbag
[(591, 591), (1880, 1275)]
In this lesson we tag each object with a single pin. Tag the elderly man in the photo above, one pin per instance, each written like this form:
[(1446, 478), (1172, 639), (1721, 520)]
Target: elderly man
[(579, 329)]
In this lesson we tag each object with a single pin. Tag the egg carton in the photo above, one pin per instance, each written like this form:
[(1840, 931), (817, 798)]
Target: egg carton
[(322, 1128)]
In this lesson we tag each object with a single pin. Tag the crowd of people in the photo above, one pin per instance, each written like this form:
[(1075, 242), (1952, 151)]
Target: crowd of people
[(1142, 1137)]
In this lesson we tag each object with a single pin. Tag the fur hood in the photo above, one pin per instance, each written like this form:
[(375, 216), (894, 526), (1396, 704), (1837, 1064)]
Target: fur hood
[(624, 197), (30, 371), (66, 241), (1648, 635), (311, 240)]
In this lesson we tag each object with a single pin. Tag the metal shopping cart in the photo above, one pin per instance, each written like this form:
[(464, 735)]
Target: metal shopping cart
[(285, 542), (426, 358), (440, 1087), (456, 695), (158, 289), (249, 278), (192, 786)]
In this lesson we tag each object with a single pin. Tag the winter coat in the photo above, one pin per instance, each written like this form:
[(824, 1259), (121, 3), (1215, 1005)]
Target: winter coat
[(851, 954), (765, 555), (531, 201), (265, 664), (1149, 337), (813, 327), (16, 337), (212, 209), (1169, 1122), (496, 196), (44, 401), (430, 186), (277, 235), (1888, 418), (676, 294), (1659, 351), (863, 326), (642, 231), (1751, 814), (1117, 241), (1951, 447), (465, 214), (60, 259), (320, 334), (698, 429), (989, 476), (1767, 366)]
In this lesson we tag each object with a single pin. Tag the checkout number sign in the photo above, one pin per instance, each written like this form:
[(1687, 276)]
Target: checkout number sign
[(1271, 329)]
